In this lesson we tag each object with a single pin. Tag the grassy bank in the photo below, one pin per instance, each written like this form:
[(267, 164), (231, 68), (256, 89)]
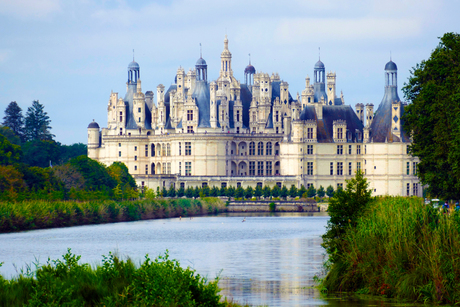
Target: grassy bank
[(17, 216), (66, 282), (400, 248)]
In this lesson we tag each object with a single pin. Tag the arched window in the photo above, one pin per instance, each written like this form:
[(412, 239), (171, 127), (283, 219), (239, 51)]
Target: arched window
[(252, 149), (153, 169), (269, 149), (152, 150), (260, 149)]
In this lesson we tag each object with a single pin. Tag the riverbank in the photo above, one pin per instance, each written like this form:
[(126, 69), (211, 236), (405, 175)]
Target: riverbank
[(66, 282), (29, 215), (400, 248)]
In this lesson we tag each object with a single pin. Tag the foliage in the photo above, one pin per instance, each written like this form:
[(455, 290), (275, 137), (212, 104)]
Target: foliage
[(433, 118), (180, 192), (330, 191), (68, 152), (230, 191), (66, 282), (120, 173), (401, 248), (239, 193), (42, 153), (293, 191), (344, 209), (95, 174), (214, 191), (275, 191), (321, 192), (37, 123), (311, 192), (14, 119), (11, 180), (301, 191), (249, 192), (69, 176), (9, 153), (272, 207), (258, 191), (172, 191), (266, 192), (284, 192), (189, 192), (10, 135)]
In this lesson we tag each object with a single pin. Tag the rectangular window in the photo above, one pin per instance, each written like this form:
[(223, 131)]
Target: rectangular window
[(358, 149), (146, 150), (310, 168), (340, 149), (415, 189), (119, 144), (339, 133), (407, 150), (408, 189), (223, 185), (135, 148), (260, 168), (269, 149), (189, 129), (252, 168), (163, 150), (237, 116), (182, 185), (309, 133), (189, 114), (168, 168), (188, 148), (164, 169), (135, 158), (358, 165), (339, 168), (407, 168), (180, 169), (135, 167), (188, 168), (365, 149), (309, 149), (332, 168), (260, 149), (339, 186), (269, 168), (252, 149), (119, 153), (414, 168), (146, 169), (349, 149), (180, 149), (168, 150), (349, 168)]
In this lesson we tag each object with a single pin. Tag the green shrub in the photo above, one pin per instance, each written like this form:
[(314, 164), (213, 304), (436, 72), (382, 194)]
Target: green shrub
[(272, 207)]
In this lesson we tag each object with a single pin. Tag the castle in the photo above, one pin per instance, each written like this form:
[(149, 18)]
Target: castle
[(225, 132)]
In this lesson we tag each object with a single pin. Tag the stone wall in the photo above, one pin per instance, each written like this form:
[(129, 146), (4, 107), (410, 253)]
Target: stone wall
[(264, 206)]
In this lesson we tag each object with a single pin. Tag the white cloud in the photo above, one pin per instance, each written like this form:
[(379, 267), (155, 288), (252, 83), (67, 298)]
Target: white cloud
[(29, 8)]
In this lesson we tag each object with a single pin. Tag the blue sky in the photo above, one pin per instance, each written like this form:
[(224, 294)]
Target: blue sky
[(70, 54)]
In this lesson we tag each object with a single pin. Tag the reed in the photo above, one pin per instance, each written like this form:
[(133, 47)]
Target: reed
[(27, 215), (117, 282), (401, 248)]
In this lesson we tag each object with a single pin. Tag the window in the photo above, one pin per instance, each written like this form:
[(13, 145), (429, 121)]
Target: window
[(268, 149), (164, 169), (310, 168), (349, 149), (182, 185), (252, 168), (189, 114), (408, 190), (168, 149), (163, 150), (252, 149), (339, 133), (259, 184), (135, 158), (339, 168), (121, 131), (146, 150), (119, 144), (119, 153), (135, 147), (204, 184), (269, 168), (180, 169), (254, 117), (415, 189), (189, 129), (121, 116), (139, 110), (407, 149), (276, 116), (223, 184), (358, 149), (180, 149), (414, 169), (310, 133), (365, 149), (309, 149), (168, 168), (146, 169), (277, 130), (237, 116), (349, 168), (407, 168), (237, 129), (135, 167), (238, 184), (278, 184), (358, 165), (188, 148), (340, 149), (188, 168), (332, 169), (260, 168), (339, 186), (260, 149), (152, 150)]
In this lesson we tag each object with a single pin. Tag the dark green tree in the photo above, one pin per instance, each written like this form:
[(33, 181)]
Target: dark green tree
[(42, 153), (284, 192), (205, 191), (95, 174), (293, 191), (302, 191), (120, 173), (37, 123), (68, 152), (223, 191), (230, 191), (164, 192), (180, 192), (14, 120), (330, 191), (249, 192), (239, 193), (171, 191), (321, 192), (433, 118), (9, 153), (189, 192), (258, 191), (311, 192), (276, 191), (344, 209), (214, 191), (267, 192), (196, 192)]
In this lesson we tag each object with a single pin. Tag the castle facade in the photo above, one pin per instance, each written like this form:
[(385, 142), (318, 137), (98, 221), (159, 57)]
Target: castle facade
[(225, 132)]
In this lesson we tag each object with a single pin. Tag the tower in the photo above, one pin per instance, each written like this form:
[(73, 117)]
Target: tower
[(331, 77), (319, 85), (249, 72), (201, 69), (226, 61)]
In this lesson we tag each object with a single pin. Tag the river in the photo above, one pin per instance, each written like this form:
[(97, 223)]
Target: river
[(262, 259)]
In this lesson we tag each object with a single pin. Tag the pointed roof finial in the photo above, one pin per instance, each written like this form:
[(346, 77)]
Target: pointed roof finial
[(249, 59), (319, 53), (390, 55), (133, 55), (200, 52)]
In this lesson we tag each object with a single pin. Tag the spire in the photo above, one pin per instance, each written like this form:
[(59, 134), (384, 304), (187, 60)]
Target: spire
[(249, 59), (319, 53), (201, 56), (133, 55), (225, 43)]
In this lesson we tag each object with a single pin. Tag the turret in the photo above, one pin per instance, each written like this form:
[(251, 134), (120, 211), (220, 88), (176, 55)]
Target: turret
[(93, 136), (331, 77), (360, 111), (369, 114)]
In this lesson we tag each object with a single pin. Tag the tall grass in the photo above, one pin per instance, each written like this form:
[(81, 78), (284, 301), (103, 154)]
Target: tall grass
[(17, 216), (401, 248), (66, 282)]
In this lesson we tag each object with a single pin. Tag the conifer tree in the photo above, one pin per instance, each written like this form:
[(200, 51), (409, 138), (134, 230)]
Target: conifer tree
[(37, 123), (14, 120)]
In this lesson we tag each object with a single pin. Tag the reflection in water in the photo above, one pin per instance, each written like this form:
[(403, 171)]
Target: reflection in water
[(270, 259)]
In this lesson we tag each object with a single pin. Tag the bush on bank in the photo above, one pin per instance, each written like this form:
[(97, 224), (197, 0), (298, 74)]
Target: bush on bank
[(66, 282), (400, 248), (17, 216)]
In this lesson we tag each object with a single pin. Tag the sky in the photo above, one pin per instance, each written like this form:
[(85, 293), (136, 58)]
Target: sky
[(71, 54)]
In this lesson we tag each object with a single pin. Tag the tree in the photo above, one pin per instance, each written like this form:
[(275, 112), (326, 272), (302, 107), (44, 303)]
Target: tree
[(14, 120), (249, 192), (330, 191), (41, 153), (284, 192), (311, 192), (95, 174), (180, 192), (239, 193), (37, 123), (10, 135), (302, 191), (266, 192), (172, 191), (276, 191), (321, 192), (258, 191), (230, 191), (214, 191), (293, 191), (9, 153), (433, 118), (189, 192), (68, 152), (344, 209)]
